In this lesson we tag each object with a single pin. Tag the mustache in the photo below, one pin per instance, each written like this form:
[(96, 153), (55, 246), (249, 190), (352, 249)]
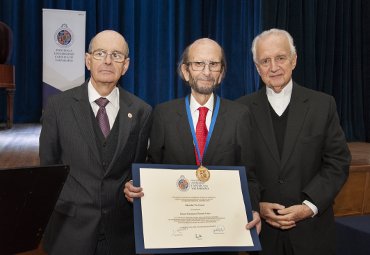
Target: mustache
[(205, 79), (205, 90)]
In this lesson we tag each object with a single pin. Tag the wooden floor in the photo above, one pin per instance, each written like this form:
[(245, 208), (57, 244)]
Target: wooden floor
[(19, 146)]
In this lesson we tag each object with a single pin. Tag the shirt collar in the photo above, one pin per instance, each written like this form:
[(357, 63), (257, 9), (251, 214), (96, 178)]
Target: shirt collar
[(194, 105), (113, 97), (286, 91)]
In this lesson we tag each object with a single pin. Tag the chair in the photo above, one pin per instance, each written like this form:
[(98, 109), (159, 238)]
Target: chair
[(7, 72)]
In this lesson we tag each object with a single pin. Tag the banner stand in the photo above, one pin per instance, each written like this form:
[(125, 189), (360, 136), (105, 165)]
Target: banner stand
[(63, 50)]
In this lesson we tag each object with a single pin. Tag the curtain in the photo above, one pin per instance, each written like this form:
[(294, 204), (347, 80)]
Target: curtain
[(365, 74), (331, 36), (157, 32), (329, 39)]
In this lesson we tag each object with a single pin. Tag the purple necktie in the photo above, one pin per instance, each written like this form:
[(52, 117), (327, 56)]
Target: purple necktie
[(102, 116)]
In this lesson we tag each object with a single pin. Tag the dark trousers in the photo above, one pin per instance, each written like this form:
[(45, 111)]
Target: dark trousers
[(102, 248), (282, 246)]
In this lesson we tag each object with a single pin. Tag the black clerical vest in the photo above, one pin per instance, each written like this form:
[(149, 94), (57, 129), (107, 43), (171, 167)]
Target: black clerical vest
[(279, 123)]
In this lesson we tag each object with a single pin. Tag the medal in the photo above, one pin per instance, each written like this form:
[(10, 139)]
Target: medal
[(202, 174)]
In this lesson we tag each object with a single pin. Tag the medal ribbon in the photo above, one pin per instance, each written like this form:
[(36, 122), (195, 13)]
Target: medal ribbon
[(213, 121)]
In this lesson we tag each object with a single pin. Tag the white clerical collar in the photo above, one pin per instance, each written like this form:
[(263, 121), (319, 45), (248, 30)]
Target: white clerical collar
[(285, 92), (280, 101)]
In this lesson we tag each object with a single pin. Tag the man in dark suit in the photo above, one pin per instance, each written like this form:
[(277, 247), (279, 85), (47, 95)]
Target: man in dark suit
[(301, 158), (203, 66), (99, 142)]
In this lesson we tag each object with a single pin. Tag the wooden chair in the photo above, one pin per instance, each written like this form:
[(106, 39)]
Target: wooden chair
[(7, 72)]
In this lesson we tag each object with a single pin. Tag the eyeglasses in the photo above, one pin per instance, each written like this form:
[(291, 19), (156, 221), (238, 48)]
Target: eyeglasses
[(199, 66), (266, 62), (115, 55)]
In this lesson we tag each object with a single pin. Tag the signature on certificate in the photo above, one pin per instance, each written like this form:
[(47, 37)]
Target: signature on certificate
[(198, 236), (219, 229)]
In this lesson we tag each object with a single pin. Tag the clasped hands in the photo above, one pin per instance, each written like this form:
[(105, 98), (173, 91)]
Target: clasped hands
[(132, 192), (283, 217)]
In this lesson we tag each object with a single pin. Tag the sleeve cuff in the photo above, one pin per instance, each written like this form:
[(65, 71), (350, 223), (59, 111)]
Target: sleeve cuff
[(312, 207)]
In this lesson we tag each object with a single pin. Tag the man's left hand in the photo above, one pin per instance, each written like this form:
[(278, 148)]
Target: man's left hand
[(296, 212), (256, 222)]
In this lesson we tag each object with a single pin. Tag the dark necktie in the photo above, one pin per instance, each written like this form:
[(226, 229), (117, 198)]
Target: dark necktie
[(102, 116), (201, 132)]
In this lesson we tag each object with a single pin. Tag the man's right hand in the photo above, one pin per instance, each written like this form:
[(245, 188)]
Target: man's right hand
[(273, 216), (132, 192)]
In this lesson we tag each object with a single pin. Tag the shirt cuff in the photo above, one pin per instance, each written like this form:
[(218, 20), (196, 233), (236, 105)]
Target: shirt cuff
[(312, 207)]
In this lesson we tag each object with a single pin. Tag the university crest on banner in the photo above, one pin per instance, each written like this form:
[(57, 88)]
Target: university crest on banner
[(63, 50)]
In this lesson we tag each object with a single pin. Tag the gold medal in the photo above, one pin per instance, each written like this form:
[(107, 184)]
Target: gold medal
[(202, 174)]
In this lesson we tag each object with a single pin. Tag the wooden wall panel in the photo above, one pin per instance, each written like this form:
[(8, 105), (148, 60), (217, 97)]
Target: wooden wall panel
[(354, 198)]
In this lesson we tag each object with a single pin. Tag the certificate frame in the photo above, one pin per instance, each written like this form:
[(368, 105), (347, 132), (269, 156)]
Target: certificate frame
[(138, 220)]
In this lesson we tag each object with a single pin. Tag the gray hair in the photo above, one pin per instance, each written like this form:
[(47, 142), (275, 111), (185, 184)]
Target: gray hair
[(273, 31)]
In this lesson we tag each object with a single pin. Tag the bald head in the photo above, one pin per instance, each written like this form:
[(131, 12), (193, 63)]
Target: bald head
[(107, 60), (203, 46), (205, 42), (109, 37)]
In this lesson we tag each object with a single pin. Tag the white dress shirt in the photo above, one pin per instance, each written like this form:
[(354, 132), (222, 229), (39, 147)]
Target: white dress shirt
[(111, 108), (194, 105)]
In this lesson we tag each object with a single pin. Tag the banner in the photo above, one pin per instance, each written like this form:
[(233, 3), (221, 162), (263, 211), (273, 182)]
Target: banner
[(63, 50)]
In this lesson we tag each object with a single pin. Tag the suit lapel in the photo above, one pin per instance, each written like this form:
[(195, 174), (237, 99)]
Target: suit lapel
[(297, 112), (185, 137), (261, 112), (217, 132), (126, 116), (82, 111)]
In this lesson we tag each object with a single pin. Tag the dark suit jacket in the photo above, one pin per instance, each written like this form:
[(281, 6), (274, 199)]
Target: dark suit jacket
[(91, 197), (171, 141), (314, 165)]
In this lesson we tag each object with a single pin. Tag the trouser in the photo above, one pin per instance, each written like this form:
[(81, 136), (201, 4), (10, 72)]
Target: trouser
[(102, 247)]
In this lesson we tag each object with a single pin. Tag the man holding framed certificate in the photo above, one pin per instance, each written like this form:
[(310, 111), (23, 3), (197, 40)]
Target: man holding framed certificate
[(201, 129)]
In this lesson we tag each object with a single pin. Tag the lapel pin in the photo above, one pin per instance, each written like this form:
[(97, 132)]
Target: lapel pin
[(129, 115)]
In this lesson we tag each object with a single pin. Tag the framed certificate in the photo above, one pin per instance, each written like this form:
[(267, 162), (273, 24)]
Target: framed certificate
[(180, 214)]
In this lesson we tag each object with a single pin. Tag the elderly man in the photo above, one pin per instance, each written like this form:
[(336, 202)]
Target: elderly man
[(301, 158), (203, 67), (99, 130)]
